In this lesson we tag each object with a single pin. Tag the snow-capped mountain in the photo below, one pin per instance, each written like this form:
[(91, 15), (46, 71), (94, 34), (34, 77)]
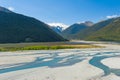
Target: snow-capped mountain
[(58, 27)]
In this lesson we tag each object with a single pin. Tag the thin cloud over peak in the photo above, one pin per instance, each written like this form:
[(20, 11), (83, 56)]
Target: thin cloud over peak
[(59, 24), (112, 16), (11, 8)]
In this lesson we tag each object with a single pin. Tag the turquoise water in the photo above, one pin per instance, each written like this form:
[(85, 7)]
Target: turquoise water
[(96, 61), (59, 61), (39, 62)]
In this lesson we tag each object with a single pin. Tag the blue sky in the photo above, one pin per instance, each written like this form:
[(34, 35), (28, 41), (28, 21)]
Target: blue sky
[(65, 11)]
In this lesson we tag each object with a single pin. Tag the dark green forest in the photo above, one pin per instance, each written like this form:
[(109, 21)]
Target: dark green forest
[(16, 28)]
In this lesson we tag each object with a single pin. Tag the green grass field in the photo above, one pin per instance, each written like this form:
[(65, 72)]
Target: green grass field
[(44, 46)]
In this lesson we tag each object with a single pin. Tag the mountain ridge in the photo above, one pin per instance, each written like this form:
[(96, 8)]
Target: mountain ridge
[(107, 30), (17, 28), (75, 28)]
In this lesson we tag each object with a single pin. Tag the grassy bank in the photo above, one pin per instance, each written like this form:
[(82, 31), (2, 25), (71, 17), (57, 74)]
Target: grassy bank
[(44, 46)]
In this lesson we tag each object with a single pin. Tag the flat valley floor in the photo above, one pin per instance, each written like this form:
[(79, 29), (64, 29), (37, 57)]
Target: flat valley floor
[(64, 64)]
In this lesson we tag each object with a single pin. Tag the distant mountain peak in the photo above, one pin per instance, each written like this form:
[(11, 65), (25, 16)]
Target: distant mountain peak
[(75, 28), (2, 9)]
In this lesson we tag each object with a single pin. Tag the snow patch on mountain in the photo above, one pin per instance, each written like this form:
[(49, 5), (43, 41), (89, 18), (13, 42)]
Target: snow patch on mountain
[(64, 26)]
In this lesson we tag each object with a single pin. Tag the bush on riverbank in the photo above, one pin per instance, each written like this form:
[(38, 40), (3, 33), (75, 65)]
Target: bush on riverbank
[(47, 47)]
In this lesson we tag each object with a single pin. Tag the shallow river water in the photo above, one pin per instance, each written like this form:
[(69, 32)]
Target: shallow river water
[(54, 59)]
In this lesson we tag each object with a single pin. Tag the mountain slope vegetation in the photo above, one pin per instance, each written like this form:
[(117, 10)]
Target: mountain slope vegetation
[(92, 30), (110, 32), (107, 30), (15, 28), (75, 28)]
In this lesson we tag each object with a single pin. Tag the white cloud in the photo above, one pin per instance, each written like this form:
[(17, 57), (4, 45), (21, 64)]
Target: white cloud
[(112, 16), (59, 24), (11, 8), (81, 22)]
